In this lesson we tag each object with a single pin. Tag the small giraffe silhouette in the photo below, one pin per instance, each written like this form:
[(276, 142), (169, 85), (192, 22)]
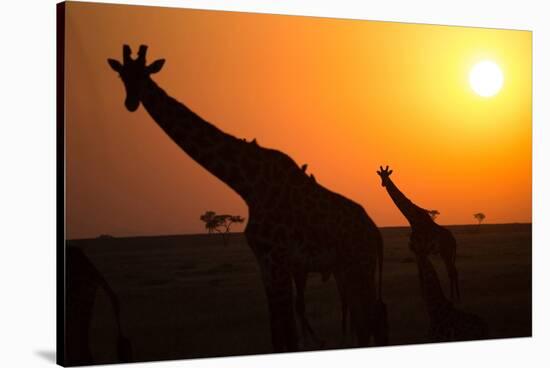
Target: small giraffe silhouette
[(295, 225), (83, 280), (427, 237), (446, 322)]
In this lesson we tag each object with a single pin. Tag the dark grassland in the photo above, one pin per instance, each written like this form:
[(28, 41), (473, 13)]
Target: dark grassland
[(190, 296)]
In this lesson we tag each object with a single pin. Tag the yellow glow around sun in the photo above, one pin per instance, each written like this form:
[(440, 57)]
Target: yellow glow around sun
[(486, 78)]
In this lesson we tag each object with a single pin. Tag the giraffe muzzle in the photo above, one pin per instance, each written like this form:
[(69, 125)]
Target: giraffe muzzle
[(131, 104)]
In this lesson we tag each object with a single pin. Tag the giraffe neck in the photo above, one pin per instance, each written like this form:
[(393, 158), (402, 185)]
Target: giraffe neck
[(432, 292), (414, 214), (218, 152)]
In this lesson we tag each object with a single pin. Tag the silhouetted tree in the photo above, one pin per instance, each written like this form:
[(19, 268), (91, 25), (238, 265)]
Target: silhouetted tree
[(433, 214), (210, 221), (479, 217), (228, 220), (220, 223)]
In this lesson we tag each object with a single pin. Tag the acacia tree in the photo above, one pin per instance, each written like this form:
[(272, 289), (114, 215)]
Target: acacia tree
[(227, 220), (433, 214), (210, 221), (480, 216), (220, 223)]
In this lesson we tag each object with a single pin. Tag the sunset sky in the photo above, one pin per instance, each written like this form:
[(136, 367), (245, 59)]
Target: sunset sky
[(343, 96)]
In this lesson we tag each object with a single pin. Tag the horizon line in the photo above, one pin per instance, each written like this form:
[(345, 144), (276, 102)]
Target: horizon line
[(242, 232)]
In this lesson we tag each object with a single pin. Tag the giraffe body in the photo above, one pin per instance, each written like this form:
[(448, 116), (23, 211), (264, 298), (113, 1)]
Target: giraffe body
[(295, 225)]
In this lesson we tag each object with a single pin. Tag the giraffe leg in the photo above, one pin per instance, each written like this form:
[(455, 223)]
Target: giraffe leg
[(281, 314), (456, 275), (300, 280), (449, 258), (361, 301), (420, 274), (344, 307), (277, 280), (361, 318), (381, 324)]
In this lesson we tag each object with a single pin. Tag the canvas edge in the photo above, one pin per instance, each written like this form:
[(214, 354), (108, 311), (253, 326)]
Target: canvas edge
[(60, 183)]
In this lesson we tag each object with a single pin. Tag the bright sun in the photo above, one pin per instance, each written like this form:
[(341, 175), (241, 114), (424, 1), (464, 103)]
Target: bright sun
[(486, 78)]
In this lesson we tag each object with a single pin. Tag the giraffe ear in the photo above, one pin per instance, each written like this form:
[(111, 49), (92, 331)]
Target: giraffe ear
[(389, 173), (115, 64), (156, 66)]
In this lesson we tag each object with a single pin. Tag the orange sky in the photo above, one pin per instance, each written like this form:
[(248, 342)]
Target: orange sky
[(343, 96)]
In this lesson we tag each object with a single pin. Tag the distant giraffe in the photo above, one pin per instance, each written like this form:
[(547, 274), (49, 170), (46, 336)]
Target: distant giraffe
[(446, 322), (295, 225), (427, 237), (83, 281)]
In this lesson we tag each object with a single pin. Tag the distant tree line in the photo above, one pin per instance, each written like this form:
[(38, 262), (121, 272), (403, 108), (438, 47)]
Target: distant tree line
[(221, 224), (480, 216)]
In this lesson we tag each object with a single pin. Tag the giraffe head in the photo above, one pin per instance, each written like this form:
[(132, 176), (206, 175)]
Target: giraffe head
[(134, 73), (384, 174)]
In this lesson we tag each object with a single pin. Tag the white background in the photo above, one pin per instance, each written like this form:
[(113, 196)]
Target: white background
[(27, 182)]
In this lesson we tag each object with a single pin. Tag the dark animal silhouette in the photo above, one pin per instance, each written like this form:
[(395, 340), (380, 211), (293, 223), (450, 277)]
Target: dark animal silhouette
[(446, 322), (83, 281), (427, 237), (295, 224)]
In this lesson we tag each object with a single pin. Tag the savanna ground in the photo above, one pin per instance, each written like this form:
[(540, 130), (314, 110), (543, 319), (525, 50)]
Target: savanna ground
[(190, 296)]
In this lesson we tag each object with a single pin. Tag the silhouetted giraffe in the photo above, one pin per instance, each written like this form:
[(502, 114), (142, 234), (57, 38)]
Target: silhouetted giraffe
[(427, 237), (295, 224), (83, 281), (446, 322)]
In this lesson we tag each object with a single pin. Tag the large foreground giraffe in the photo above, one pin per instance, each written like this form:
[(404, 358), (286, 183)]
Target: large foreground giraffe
[(295, 225)]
